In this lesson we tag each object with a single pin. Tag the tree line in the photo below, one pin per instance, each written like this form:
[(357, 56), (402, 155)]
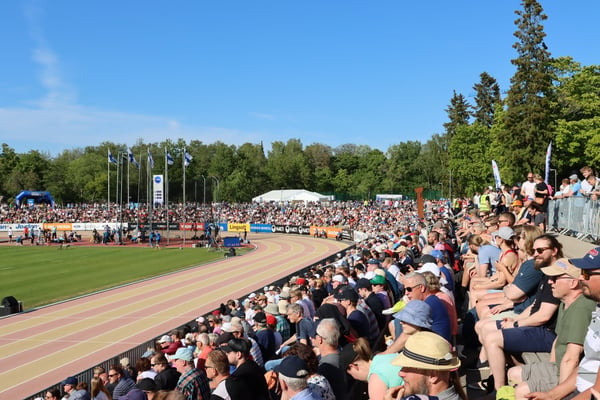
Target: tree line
[(549, 99)]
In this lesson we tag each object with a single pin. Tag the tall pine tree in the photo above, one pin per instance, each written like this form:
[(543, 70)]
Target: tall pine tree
[(487, 98), (458, 113), (528, 119)]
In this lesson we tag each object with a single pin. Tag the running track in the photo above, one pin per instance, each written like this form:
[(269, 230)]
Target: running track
[(42, 347)]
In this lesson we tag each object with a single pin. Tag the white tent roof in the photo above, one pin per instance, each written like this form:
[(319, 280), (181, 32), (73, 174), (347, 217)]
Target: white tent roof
[(290, 195)]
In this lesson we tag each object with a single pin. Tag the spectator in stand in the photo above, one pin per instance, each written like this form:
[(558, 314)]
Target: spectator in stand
[(530, 331), (528, 187), (428, 368), (247, 382), (417, 289), (305, 329), (166, 345), (365, 291), (348, 298), (414, 317), (317, 383), (282, 326), (98, 391), (377, 370), (53, 394), (264, 336), (166, 376), (123, 384), (326, 342), (72, 393), (193, 383), (217, 370), (293, 379), (595, 184), (586, 187), (574, 316), (538, 217)]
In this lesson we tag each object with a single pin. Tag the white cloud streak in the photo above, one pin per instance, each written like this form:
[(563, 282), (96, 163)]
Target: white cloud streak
[(56, 121)]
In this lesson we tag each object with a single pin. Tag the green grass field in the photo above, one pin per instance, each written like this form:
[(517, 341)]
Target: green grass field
[(42, 275)]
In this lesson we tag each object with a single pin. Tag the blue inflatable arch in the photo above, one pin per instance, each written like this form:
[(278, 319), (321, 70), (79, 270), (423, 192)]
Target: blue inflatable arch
[(38, 197)]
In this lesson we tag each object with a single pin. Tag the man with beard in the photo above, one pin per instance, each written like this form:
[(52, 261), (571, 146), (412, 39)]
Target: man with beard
[(581, 381), (428, 369), (530, 331)]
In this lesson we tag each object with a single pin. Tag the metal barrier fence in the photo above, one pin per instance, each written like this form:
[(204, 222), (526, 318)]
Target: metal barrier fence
[(575, 216), (137, 352)]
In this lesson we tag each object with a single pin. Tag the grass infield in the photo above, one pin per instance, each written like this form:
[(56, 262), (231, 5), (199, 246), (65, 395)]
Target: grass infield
[(43, 275)]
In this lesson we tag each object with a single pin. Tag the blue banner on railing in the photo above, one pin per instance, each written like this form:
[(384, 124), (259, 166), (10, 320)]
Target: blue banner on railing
[(260, 227)]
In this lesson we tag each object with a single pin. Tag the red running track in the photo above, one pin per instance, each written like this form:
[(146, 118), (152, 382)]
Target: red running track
[(42, 347)]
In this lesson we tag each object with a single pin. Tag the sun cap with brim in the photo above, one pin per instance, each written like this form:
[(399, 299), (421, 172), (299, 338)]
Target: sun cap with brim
[(417, 313), (71, 380), (590, 261), (428, 351), (271, 309), (505, 233), (560, 267), (165, 339), (378, 280), (517, 203), (395, 308), (437, 254), (183, 353)]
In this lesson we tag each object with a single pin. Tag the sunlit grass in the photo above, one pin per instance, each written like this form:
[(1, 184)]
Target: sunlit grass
[(43, 275)]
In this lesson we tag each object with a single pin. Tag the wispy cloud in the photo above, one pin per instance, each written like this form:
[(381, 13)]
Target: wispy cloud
[(58, 93), (258, 115), (57, 121)]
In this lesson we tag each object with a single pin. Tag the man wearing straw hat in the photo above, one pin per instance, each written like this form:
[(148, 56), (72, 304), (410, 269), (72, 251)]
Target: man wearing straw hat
[(428, 369)]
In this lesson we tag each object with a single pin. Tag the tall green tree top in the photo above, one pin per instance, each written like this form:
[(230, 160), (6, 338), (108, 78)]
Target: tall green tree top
[(487, 97), (528, 118), (458, 113)]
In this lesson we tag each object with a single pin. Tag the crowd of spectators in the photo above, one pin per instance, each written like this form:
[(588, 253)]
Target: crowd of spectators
[(381, 321), (353, 214)]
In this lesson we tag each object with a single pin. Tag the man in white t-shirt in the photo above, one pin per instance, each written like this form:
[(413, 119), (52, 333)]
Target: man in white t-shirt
[(528, 187)]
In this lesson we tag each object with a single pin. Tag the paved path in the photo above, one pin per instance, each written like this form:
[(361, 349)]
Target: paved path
[(41, 348)]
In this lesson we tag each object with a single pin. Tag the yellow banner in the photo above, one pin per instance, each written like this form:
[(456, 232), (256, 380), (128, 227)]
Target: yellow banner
[(59, 226), (235, 227)]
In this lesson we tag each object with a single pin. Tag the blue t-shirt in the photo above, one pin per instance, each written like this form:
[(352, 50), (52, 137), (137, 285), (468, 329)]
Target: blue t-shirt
[(439, 317), (528, 280), (305, 329), (489, 254)]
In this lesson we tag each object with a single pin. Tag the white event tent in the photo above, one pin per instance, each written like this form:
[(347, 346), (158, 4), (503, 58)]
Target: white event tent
[(290, 195)]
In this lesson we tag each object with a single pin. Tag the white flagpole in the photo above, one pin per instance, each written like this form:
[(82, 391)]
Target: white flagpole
[(129, 163), (167, 193), (108, 185), (183, 166)]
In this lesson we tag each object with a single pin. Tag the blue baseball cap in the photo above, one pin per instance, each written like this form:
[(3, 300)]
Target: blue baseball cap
[(590, 261), (292, 367)]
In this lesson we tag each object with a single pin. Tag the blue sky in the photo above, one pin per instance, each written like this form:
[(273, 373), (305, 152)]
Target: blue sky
[(76, 73)]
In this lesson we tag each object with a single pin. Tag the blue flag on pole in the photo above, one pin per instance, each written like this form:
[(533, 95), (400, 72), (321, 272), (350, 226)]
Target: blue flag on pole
[(170, 160), (187, 157), (150, 159), (111, 159), (132, 158)]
